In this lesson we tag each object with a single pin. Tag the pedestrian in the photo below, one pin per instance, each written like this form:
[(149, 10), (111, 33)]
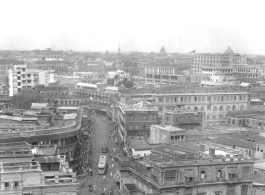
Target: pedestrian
[(112, 165), (111, 174), (104, 177)]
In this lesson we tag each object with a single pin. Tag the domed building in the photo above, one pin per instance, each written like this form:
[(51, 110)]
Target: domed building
[(229, 51), (162, 50)]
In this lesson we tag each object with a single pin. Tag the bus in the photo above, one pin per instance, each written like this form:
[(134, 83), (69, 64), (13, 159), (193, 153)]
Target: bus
[(102, 164)]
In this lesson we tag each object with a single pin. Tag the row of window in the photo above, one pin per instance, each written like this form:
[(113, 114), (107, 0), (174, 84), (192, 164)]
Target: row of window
[(214, 98)]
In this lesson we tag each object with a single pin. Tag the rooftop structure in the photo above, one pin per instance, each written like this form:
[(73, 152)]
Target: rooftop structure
[(184, 168)]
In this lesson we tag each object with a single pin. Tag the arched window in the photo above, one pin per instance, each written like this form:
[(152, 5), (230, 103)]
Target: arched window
[(196, 108), (229, 121), (234, 107), (221, 108), (202, 109), (227, 108), (241, 107), (234, 121), (239, 122), (215, 108)]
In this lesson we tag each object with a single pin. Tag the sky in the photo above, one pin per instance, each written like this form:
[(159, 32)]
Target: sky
[(137, 25)]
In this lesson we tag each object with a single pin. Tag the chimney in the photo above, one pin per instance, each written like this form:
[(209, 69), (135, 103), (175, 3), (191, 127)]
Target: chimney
[(211, 151)]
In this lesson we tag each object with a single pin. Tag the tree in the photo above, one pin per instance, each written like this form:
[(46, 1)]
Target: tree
[(110, 82), (25, 98)]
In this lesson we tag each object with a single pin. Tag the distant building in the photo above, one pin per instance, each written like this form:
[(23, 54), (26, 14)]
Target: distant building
[(162, 50), (22, 77), (209, 64), (215, 102)]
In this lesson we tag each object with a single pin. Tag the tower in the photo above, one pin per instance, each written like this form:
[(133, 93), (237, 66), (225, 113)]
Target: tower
[(119, 50)]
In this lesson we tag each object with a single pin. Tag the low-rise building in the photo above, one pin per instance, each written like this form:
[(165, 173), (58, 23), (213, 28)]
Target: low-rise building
[(160, 134), (248, 118)]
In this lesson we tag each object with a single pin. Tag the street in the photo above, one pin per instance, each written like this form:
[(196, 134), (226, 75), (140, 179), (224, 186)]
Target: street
[(100, 138)]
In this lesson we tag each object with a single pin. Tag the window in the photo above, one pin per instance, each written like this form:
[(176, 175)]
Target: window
[(6, 185), (136, 127), (131, 127), (172, 138), (144, 117), (131, 117), (202, 174), (208, 107), (144, 126), (219, 173), (16, 184)]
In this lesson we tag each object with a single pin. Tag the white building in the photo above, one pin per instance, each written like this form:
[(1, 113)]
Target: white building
[(21, 77)]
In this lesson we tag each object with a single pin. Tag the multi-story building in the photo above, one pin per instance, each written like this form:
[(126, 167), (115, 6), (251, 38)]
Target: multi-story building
[(187, 169), (208, 63), (66, 136), (48, 54), (135, 120), (58, 65), (214, 102), (24, 172), (250, 73), (21, 77), (169, 73), (185, 119)]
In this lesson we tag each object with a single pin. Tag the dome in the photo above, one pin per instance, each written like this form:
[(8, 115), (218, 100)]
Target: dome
[(229, 51)]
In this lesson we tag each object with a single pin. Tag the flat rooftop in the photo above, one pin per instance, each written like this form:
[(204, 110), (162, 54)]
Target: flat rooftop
[(169, 128), (139, 143)]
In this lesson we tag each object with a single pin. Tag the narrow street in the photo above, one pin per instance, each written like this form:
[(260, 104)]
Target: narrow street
[(101, 137)]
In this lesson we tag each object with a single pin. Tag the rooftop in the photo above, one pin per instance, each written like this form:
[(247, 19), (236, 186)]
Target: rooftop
[(229, 141), (168, 128), (86, 85), (139, 143)]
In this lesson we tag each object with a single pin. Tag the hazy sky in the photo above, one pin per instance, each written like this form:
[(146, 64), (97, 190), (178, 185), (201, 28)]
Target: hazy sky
[(179, 26)]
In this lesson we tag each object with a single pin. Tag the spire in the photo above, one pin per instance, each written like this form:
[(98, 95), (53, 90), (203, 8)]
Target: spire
[(119, 50)]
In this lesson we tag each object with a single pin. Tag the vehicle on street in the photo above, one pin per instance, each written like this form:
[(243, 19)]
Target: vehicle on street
[(102, 164), (90, 188), (104, 149)]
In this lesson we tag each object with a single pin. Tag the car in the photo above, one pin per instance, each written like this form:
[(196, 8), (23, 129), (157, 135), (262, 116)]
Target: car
[(105, 149), (90, 188)]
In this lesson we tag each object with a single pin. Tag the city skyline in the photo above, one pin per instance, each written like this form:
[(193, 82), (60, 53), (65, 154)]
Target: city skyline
[(207, 27)]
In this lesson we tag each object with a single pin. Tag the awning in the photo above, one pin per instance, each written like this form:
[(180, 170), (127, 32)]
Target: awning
[(233, 171), (189, 174)]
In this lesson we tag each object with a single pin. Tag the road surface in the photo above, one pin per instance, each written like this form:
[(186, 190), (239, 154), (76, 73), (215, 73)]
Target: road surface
[(101, 137)]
